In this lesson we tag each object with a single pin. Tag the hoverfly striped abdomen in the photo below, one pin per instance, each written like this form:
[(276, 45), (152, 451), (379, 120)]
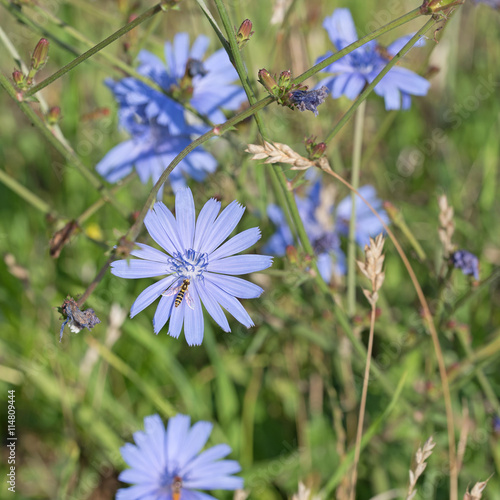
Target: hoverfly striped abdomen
[(181, 293)]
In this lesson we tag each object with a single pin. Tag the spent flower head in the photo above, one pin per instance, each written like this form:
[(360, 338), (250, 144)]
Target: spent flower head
[(360, 67), (167, 463), (77, 319), (198, 267), (467, 262)]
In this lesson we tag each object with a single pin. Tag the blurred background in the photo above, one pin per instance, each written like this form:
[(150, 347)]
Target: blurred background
[(284, 394)]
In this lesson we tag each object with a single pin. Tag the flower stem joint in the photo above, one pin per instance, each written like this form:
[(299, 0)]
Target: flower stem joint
[(292, 95), (244, 33)]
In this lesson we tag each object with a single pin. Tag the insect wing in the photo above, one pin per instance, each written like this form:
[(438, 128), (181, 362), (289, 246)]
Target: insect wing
[(189, 300), (174, 290)]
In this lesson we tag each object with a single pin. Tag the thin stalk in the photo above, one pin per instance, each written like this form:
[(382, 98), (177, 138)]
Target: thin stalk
[(101, 202), (377, 79), (342, 469), (68, 153), (359, 121), (435, 340), (20, 64), (481, 377), (362, 408), (237, 60), (26, 194), (75, 62)]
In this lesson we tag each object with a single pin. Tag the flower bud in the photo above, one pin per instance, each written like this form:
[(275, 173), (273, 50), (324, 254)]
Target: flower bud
[(268, 81), (244, 33), (40, 55), (315, 150), (53, 115), (19, 79), (285, 79)]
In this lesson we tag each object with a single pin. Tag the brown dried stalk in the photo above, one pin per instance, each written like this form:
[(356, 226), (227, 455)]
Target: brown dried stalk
[(372, 269), (421, 456)]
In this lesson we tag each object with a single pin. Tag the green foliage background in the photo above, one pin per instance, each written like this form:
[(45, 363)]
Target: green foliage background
[(284, 394)]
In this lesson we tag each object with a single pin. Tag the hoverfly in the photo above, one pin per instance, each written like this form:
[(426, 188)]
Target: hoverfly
[(176, 488), (182, 293)]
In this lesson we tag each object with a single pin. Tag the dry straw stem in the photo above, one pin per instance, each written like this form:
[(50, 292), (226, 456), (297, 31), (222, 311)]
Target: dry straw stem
[(477, 491), (372, 267), (447, 226), (435, 340), (421, 456), (275, 152), (426, 315)]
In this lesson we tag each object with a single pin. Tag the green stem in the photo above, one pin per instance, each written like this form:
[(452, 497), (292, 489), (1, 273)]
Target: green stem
[(101, 202), (26, 194), (481, 378), (63, 149), (351, 245), (379, 77), (75, 62), (217, 131), (237, 60)]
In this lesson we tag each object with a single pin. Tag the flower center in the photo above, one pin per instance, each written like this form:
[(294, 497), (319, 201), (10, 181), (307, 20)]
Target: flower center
[(183, 90), (362, 59), (195, 67), (191, 265), (325, 243)]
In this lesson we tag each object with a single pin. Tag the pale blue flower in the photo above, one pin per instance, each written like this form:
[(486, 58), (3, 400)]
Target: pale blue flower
[(167, 462), (206, 84), (195, 251), (158, 133), (324, 226), (361, 66)]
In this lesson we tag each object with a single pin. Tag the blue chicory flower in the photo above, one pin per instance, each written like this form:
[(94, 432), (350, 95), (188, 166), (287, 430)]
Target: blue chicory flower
[(361, 66), (199, 268), (206, 85), (324, 229), (167, 464), (158, 133), (467, 262)]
